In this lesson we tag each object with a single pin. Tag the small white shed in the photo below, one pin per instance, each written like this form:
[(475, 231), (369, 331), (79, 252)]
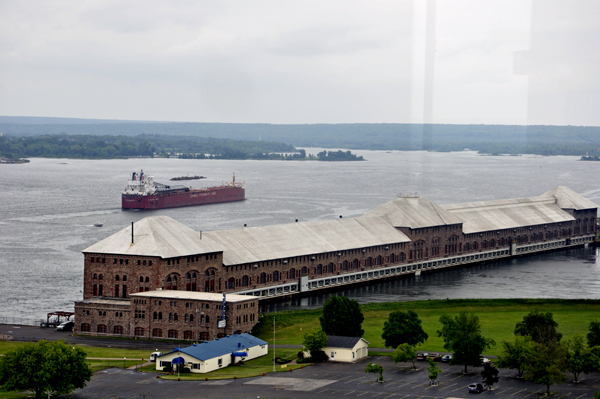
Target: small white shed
[(213, 355), (346, 349)]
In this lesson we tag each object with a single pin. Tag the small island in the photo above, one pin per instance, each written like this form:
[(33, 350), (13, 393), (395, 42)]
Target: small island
[(187, 178)]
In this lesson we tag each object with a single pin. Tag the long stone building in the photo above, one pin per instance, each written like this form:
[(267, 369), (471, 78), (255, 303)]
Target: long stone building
[(133, 278)]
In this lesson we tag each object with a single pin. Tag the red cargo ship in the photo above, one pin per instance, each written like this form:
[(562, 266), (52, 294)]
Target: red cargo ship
[(143, 192)]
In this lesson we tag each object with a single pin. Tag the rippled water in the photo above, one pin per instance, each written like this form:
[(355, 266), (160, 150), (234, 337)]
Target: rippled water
[(48, 208)]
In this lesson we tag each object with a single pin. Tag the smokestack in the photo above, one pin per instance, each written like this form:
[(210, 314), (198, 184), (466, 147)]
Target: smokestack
[(131, 233)]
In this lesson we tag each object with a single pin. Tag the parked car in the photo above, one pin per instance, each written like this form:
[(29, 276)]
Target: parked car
[(485, 360), (446, 358), (154, 355), (476, 387), (65, 326), (436, 357), (422, 355)]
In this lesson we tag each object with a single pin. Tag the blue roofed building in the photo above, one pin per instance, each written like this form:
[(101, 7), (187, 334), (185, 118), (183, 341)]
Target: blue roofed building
[(213, 355)]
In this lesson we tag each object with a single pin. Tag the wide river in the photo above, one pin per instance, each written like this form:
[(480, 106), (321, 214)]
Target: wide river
[(48, 209)]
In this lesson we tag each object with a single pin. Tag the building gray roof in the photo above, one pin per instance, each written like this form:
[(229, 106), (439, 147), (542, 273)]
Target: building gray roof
[(413, 212), (220, 346), (520, 212), (255, 244), (334, 341), (159, 236), (193, 295)]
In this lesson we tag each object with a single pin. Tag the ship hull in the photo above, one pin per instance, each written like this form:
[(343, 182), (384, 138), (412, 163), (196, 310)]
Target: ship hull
[(193, 197)]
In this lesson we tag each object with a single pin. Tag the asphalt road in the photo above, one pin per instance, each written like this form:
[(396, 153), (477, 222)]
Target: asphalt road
[(330, 380)]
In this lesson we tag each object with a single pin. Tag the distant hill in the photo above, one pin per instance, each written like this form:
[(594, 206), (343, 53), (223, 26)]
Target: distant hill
[(494, 139)]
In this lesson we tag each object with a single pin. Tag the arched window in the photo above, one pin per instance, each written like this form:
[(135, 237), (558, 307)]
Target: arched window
[(118, 330), (117, 277), (263, 278), (170, 316), (191, 283), (101, 328), (155, 316), (124, 278), (418, 249), (369, 262), (157, 332), (141, 279), (185, 318), (330, 268), (95, 276), (175, 318), (467, 247), (147, 279), (355, 264), (378, 260), (171, 282), (231, 282), (209, 280), (492, 243), (319, 269), (139, 331), (305, 271), (191, 318), (187, 335), (275, 275), (345, 265), (85, 327), (204, 336), (244, 281), (159, 315), (100, 277), (207, 319), (292, 274)]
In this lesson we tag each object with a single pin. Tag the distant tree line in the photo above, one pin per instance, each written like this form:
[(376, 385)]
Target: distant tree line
[(107, 147), (87, 146), (489, 139)]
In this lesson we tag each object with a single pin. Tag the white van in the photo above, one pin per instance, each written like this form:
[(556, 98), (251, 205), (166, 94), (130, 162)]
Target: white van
[(154, 355)]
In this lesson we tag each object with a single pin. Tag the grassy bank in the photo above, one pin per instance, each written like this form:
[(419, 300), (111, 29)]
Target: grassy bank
[(497, 316)]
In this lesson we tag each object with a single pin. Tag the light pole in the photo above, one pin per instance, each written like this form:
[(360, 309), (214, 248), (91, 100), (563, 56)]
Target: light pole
[(197, 324), (273, 343), (124, 359)]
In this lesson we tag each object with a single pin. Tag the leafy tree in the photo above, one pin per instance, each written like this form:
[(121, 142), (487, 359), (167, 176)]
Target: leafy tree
[(433, 370), (375, 368), (541, 327), (462, 336), (403, 327), (315, 340), (593, 336), (342, 317), (546, 364), (405, 353), (579, 358), (489, 374), (516, 354), (53, 367)]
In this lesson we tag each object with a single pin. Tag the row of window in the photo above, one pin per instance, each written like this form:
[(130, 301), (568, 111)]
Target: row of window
[(156, 332), (120, 261)]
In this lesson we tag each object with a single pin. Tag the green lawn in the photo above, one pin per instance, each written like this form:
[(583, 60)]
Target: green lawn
[(6, 346), (497, 317), (14, 395)]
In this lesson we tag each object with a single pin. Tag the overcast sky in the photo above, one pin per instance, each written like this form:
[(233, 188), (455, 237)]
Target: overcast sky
[(496, 62)]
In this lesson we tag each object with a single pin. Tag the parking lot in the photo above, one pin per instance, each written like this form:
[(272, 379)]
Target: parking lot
[(331, 380)]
